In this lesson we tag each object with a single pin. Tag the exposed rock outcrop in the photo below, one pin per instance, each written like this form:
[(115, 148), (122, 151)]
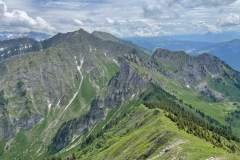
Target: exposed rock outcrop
[(126, 85)]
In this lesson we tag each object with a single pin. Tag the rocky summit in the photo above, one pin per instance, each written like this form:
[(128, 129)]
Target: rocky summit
[(81, 95)]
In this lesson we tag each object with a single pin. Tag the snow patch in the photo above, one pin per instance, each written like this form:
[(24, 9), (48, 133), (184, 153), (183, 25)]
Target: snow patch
[(78, 68), (58, 103), (115, 61), (27, 46), (133, 96), (2, 49), (56, 121), (49, 105), (80, 85)]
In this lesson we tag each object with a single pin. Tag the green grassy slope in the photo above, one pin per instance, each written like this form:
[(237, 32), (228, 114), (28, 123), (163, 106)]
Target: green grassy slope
[(137, 132), (32, 144), (217, 110)]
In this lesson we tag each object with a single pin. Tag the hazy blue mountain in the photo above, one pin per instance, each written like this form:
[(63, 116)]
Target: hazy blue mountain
[(151, 43), (207, 37), (228, 51)]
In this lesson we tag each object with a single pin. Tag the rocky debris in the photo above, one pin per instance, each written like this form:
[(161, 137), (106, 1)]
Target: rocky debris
[(27, 122), (206, 91)]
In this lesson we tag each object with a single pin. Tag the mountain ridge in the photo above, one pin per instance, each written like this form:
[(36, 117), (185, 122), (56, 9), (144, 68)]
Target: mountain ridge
[(225, 50), (78, 90)]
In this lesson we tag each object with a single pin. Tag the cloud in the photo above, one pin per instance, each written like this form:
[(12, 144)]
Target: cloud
[(125, 17), (172, 9), (229, 20), (122, 27), (159, 11), (3, 8), (68, 4), (204, 3), (212, 28), (141, 17), (110, 21), (78, 22), (162, 10), (20, 19)]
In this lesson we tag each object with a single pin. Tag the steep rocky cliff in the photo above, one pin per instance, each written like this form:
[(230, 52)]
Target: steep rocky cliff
[(205, 73), (124, 86)]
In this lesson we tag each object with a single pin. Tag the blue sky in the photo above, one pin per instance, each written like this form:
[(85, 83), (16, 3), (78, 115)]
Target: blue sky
[(121, 17)]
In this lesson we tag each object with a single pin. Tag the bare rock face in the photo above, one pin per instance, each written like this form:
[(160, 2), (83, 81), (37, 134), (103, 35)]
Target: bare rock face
[(193, 71), (77, 126), (6, 128), (126, 85), (189, 69)]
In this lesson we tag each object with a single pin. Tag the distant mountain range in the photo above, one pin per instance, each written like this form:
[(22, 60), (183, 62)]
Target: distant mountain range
[(13, 35), (228, 51), (207, 37)]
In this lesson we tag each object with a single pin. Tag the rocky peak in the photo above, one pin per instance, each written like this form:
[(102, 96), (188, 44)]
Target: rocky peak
[(194, 71), (169, 55), (203, 63), (70, 37)]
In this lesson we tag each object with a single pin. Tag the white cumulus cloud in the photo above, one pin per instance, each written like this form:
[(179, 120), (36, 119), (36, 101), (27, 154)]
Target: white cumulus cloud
[(20, 19), (231, 19)]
